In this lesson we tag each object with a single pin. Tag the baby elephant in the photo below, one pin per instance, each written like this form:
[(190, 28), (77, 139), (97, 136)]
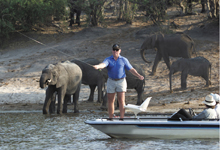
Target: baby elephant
[(198, 66)]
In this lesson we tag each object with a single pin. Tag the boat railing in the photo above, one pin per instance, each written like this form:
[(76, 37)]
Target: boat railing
[(156, 118)]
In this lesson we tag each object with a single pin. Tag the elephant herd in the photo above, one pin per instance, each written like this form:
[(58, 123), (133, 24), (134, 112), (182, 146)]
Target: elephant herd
[(177, 45), (64, 79)]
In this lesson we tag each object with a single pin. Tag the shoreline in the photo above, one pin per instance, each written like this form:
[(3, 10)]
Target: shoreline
[(94, 107)]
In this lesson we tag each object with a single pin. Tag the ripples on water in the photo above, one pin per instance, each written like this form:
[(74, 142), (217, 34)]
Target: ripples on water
[(50, 132)]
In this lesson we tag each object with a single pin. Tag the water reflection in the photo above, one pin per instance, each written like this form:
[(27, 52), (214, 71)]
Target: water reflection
[(38, 131)]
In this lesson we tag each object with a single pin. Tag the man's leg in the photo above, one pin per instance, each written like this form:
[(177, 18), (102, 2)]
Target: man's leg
[(111, 107), (121, 101)]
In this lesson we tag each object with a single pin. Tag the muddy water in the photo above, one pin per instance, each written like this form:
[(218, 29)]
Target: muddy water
[(35, 131)]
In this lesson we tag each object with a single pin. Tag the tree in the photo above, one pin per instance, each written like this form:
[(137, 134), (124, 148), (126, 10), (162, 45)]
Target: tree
[(127, 9), (94, 10)]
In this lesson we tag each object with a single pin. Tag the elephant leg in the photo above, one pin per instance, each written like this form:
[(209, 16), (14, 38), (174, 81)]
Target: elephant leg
[(76, 98), (61, 94), (183, 79), (49, 94), (67, 98), (52, 104), (100, 94), (206, 77), (156, 61), (105, 99), (140, 92), (170, 77), (167, 61), (91, 95)]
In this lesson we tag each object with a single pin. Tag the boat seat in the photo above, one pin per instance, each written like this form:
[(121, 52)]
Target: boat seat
[(136, 109)]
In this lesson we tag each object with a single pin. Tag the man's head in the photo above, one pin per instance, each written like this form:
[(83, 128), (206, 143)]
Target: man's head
[(116, 50), (209, 101), (116, 47)]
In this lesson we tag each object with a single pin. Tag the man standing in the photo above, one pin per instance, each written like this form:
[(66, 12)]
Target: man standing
[(116, 83)]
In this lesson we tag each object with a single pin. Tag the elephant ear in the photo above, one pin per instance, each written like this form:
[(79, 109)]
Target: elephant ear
[(56, 74), (157, 38), (145, 43)]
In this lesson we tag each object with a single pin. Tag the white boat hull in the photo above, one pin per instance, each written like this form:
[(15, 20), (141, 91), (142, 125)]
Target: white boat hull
[(147, 128)]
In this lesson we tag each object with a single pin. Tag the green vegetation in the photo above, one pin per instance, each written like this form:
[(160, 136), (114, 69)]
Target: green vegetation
[(24, 14)]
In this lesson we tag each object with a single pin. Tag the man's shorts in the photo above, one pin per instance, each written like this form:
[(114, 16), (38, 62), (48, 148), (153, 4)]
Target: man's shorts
[(116, 86)]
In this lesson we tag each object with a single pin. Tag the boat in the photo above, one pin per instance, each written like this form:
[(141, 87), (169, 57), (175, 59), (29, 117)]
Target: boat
[(158, 127), (155, 127)]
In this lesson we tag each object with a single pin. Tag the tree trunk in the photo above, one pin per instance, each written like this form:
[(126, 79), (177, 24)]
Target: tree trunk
[(121, 10)]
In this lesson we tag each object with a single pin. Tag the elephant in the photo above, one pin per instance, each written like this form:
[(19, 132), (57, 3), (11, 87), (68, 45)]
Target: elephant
[(74, 9), (132, 83), (198, 66), (175, 45), (92, 77), (65, 80)]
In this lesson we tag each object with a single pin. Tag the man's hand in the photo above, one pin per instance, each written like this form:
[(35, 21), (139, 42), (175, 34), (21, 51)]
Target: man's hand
[(96, 67), (99, 66), (135, 73), (141, 77)]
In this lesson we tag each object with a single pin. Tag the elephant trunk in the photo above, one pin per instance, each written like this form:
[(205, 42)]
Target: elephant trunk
[(143, 56), (44, 81)]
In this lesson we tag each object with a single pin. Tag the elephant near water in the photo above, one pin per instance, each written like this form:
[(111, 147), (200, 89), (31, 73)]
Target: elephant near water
[(175, 45), (63, 79), (198, 66), (92, 77), (132, 83)]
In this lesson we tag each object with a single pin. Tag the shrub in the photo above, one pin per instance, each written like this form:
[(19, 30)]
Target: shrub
[(24, 14)]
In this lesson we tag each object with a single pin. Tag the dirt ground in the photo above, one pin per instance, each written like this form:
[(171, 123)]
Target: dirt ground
[(22, 60)]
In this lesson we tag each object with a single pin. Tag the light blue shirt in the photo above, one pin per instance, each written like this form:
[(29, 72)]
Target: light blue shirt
[(208, 113), (116, 68)]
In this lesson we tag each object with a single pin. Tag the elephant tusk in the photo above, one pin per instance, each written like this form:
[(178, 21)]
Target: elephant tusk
[(48, 81)]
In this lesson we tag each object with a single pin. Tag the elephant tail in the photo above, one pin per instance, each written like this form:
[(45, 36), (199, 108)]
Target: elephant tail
[(170, 77)]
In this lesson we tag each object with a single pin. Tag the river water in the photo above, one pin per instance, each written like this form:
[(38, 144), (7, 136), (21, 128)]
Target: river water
[(35, 131)]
